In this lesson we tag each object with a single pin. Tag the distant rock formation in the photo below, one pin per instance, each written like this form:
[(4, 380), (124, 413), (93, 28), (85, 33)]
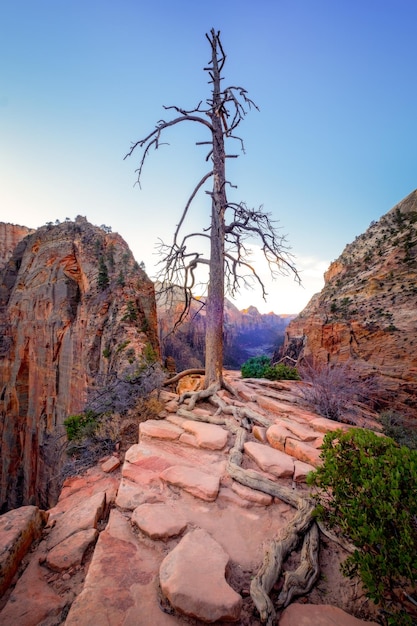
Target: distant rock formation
[(247, 333), (74, 307), (367, 310)]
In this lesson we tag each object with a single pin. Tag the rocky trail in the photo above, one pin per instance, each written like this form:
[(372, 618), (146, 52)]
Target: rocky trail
[(182, 530)]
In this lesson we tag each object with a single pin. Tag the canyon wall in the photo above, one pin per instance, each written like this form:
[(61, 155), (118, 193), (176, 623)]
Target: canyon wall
[(74, 307), (367, 311), (246, 333)]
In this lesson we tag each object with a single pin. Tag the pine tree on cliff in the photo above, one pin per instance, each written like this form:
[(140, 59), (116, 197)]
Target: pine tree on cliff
[(232, 224)]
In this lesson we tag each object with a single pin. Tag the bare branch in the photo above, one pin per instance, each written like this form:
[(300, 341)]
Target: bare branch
[(153, 139), (191, 198)]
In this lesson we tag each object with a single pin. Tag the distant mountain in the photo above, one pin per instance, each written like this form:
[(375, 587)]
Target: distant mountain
[(367, 310), (246, 333)]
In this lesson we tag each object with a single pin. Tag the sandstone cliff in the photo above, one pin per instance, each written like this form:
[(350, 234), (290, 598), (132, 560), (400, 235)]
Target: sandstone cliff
[(367, 310), (74, 307)]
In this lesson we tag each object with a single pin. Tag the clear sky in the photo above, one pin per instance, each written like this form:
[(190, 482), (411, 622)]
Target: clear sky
[(333, 147)]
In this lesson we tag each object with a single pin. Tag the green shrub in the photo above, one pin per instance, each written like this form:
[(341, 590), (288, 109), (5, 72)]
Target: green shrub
[(79, 426), (255, 367), (260, 367), (367, 489), (281, 372)]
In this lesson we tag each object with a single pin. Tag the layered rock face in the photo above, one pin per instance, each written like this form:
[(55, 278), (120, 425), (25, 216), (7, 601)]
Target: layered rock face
[(74, 307), (367, 311)]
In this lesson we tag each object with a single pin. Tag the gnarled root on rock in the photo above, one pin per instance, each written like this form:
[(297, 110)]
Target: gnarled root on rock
[(303, 526)]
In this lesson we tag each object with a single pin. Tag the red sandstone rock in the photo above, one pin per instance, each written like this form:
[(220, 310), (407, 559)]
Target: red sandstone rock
[(324, 425), (120, 586), (198, 483), (192, 578), (209, 436), (303, 451), (82, 516), (71, 551), (252, 495), (300, 431), (110, 465), (55, 318), (259, 432), (301, 470), (270, 460), (277, 435), (146, 458), (139, 475), (159, 429), (318, 615), (366, 311), (159, 521), (130, 495), (33, 601), (18, 529)]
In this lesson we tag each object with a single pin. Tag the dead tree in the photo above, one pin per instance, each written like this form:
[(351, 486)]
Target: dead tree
[(232, 225)]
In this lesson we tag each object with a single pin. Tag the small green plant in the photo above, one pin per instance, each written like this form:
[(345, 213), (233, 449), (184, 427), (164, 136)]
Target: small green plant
[(81, 425), (367, 489), (103, 275), (131, 314), (106, 353), (122, 346), (260, 367)]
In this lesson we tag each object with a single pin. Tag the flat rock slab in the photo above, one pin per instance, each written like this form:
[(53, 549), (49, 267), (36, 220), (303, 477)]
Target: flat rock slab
[(18, 529), (319, 615), (132, 495), (159, 429), (110, 465), (192, 578), (84, 487), (209, 436), (120, 586), (71, 551), (33, 601), (259, 432), (300, 431), (252, 495), (194, 481), (269, 460), (86, 514), (277, 435), (159, 521), (303, 451), (324, 425)]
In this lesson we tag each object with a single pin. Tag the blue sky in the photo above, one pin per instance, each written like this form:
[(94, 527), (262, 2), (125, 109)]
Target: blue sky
[(332, 148)]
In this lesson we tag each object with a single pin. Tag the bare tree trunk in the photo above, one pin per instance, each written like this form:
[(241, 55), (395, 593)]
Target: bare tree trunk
[(215, 298)]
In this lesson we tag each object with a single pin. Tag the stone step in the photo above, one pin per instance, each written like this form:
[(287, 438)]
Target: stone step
[(192, 578)]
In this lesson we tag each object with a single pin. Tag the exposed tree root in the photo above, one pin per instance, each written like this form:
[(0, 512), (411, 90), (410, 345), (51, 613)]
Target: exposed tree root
[(301, 580), (302, 526), (201, 394), (177, 377)]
